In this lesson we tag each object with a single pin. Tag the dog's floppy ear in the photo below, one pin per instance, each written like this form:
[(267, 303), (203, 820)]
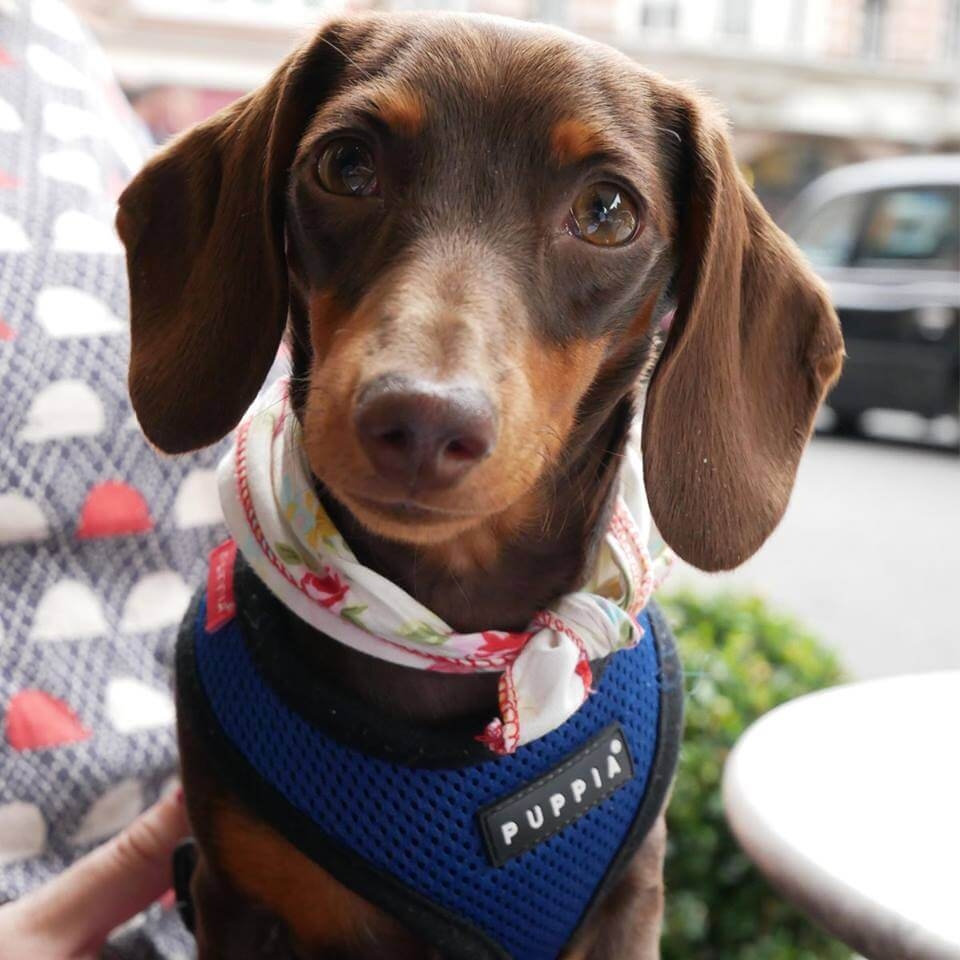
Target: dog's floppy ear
[(752, 349), (203, 228)]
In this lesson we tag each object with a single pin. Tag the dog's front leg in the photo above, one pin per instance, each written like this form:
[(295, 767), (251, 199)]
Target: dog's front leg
[(627, 924), (228, 927)]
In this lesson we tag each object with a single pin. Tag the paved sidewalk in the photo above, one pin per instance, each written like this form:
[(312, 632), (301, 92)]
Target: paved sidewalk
[(868, 556)]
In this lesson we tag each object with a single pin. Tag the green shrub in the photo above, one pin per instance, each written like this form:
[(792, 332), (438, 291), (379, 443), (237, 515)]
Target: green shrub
[(741, 660)]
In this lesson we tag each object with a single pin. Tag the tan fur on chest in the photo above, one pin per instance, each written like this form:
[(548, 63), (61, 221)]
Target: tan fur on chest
[(320, 912)]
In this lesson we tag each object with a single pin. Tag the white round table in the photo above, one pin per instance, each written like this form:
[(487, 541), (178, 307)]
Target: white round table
[(848, 801)]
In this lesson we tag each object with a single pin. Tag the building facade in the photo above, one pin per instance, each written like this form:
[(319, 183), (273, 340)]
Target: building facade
[(807, 84)]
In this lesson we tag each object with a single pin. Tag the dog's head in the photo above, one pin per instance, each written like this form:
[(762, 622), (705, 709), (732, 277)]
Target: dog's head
[(473, 226)]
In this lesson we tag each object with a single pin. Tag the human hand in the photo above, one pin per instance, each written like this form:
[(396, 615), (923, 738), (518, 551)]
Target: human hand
[(71, 917)]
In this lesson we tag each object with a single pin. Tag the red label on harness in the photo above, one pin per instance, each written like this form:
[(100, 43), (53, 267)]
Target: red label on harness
[(221, 606)]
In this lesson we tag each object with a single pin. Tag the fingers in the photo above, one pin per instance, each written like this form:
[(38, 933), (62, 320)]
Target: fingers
[(77, 910)]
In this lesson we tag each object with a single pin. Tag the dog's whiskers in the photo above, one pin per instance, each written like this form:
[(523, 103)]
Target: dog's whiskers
[(345, 56)]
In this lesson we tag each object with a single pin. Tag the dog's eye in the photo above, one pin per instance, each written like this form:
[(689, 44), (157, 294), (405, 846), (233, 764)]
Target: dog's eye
[(346, 168), (603, 214)]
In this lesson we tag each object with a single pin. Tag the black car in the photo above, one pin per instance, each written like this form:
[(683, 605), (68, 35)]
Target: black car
[(885, 236)]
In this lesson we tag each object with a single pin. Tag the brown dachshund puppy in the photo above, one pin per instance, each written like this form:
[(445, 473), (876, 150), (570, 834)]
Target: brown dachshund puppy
[(471, 231)]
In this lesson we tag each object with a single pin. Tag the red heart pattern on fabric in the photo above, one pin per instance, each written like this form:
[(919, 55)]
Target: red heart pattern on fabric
[(36, 720), (100, 541), (113, 509)]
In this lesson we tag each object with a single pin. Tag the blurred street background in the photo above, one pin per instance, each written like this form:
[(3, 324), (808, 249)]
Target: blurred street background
[(869, 554), (808, 84)]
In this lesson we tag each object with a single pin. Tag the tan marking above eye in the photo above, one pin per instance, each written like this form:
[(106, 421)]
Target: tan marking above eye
[(605, 215), (573, 140), (402, 109)]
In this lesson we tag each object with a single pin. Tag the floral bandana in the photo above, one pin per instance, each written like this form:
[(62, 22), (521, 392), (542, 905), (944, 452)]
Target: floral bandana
[(283, 531)]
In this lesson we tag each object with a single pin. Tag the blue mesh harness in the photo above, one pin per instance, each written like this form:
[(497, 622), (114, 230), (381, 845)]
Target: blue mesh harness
[(484, 857)]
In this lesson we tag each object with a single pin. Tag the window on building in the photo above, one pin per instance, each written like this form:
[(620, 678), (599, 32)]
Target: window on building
[(550, 11), (659, 16), (454, 6), (798, 24), (951, 46), (249, 12), (735, 18), (874, 28)]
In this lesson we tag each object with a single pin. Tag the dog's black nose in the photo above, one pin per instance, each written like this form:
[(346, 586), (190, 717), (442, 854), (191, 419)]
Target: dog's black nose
[(423, 435)]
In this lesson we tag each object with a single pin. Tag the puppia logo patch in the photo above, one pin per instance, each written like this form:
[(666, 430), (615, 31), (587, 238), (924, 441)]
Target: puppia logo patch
[(543, 808)]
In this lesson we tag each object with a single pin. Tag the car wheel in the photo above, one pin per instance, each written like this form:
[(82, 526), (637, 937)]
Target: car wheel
[(957, 406)]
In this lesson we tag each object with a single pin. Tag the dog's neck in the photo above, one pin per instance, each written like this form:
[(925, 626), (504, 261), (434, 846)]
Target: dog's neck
[(551, 553), (500, 577)]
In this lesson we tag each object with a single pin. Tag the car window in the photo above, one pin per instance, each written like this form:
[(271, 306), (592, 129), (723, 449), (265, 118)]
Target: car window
[(829, 236), (912, 226)]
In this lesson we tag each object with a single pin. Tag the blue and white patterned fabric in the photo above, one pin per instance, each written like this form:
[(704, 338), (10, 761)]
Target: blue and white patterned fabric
[(101, 540)]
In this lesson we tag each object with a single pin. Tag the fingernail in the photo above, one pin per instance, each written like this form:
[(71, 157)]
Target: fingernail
[(179, 795)]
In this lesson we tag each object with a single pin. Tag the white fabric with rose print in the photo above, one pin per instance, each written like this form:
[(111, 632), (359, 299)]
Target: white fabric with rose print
[(281, 528)]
